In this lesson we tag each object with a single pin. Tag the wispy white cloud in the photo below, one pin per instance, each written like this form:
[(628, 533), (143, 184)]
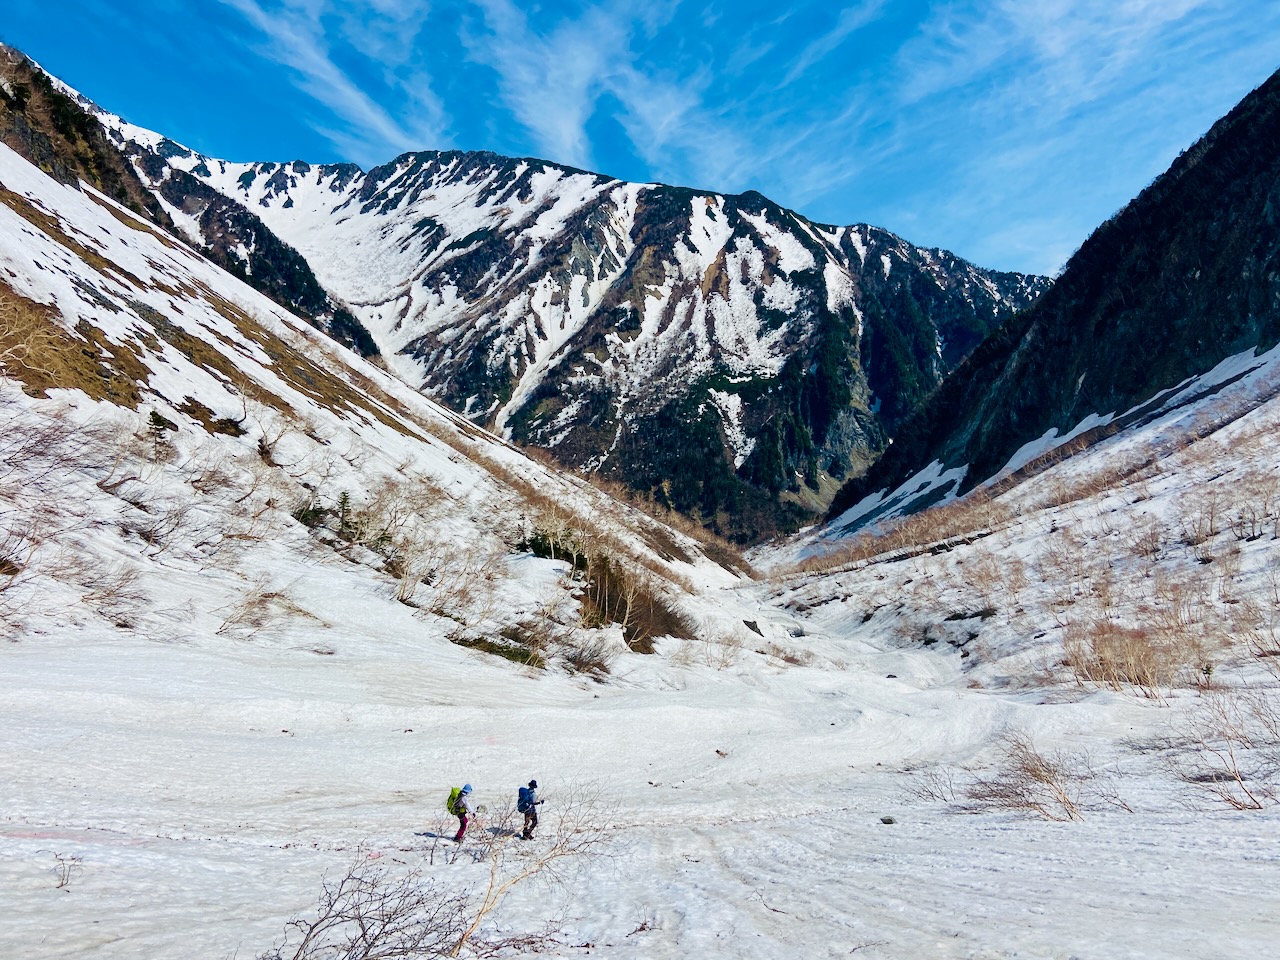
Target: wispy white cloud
[(554, 76), (983, 126), (1043, 116), (850, 20), (292, 34), (383, 31), (550, 80), (1064, 52)]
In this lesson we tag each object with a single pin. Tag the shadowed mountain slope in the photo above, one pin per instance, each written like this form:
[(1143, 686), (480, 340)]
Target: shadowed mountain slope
[(1183, 277)]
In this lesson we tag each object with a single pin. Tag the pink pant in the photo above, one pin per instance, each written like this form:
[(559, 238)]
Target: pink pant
[(463, 820)]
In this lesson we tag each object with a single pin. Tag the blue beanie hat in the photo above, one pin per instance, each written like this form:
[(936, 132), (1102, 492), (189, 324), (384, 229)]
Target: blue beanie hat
[(466, 788)]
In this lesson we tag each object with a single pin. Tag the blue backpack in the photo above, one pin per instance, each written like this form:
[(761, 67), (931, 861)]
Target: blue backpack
[(524, 800)]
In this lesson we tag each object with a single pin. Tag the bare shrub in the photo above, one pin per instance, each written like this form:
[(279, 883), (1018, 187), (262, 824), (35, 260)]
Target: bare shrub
[(984, 575), (1201, 516), (1148, 540), (722, 649), (1103, 651), (463, 582), (1015, 575), (262, 487), (260, 608), (798, 658), (550, 632), (716, 648), (1228, 748), (1104, 592), (17, 545), (1055, 786), (19, 542), (168, 519), (1248, 522), (1259, 624), (372, 912), (114, 591), (685, 654), (543, 631), (592, 654), (1228, 570), (1064, 566), (210, 474), (415, 558), (394, 508), (272, 428), (35, 447), (1271, 576), (1181, 601), (66, 869), (935, 785)]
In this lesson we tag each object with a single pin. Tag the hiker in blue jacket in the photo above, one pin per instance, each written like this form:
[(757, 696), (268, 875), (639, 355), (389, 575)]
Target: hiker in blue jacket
[(527, 803)]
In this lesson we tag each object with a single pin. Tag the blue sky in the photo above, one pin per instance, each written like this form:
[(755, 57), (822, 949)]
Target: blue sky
[(1003, 130)]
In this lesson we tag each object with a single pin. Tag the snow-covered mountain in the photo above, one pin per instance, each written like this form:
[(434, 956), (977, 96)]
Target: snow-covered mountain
[(720, 353)]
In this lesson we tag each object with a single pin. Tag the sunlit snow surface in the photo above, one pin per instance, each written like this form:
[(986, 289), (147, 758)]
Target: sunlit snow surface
[(206, 777)]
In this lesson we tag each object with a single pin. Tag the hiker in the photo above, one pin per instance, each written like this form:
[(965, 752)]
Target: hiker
[(527, 803), (462, 806)]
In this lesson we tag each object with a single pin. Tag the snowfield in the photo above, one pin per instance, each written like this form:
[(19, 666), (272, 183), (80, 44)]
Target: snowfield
[(219, 684), (205, 785)]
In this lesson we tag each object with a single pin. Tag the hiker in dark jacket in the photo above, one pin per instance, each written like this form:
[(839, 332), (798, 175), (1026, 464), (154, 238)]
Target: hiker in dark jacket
[(527, 803)]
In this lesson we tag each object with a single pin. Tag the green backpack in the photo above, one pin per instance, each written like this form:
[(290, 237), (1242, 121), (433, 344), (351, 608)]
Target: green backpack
[(452, 804)]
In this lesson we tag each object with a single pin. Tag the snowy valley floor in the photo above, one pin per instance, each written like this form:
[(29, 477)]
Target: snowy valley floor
[(205, 791)]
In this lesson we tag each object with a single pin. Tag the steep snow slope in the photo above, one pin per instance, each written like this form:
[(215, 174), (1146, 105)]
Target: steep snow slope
[(937, 484), (207, 704), (100, 301), (600, 319)]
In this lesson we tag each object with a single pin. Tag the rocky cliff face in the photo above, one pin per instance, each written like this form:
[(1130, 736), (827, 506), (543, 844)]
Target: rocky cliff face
[(720, 353), (1183, 277)]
